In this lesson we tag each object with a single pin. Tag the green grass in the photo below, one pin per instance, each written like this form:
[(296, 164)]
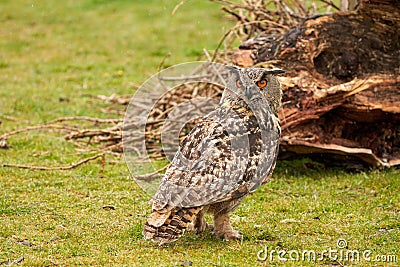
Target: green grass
[(53, 50)]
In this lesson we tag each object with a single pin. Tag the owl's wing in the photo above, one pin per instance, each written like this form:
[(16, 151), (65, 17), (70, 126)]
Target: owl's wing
[(216, 161)]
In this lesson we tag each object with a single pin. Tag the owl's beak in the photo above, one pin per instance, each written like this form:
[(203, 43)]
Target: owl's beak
[(248, 92)]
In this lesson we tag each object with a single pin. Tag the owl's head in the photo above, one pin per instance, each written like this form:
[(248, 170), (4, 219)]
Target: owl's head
[(254, 85)]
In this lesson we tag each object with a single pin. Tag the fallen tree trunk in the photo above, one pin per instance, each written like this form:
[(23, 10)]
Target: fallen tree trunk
[(342, 85)]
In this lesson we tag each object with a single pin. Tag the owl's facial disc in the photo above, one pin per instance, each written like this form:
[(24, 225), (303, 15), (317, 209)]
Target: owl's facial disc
[(250, 89), (252, 92)]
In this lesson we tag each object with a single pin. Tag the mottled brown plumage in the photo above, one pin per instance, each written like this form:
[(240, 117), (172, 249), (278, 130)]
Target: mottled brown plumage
[(228, 154)]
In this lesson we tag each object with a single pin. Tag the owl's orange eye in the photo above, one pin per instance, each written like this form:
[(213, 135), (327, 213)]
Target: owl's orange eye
[(262, 83), (238, 83)]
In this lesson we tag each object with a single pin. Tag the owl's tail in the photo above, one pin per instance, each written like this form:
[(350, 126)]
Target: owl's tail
[(169, 226)]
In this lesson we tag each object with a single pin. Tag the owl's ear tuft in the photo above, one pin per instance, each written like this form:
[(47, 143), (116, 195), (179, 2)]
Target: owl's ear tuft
[(232, 68), (274, 71)]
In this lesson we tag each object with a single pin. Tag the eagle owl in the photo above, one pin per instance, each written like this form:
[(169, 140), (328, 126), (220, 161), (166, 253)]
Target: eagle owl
[(228, 154)]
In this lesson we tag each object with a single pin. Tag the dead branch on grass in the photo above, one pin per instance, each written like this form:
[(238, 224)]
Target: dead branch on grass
[(57, 168)]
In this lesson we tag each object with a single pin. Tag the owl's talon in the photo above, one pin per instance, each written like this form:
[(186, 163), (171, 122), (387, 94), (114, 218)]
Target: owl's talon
[(231, 235), (234, 235)]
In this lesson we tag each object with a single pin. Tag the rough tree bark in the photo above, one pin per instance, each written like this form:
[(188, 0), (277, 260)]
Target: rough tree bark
[(342, 86)]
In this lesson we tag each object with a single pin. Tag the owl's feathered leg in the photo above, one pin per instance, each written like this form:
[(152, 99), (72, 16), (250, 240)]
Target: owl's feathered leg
[(200, 224), (167, 226), (223, 228)]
